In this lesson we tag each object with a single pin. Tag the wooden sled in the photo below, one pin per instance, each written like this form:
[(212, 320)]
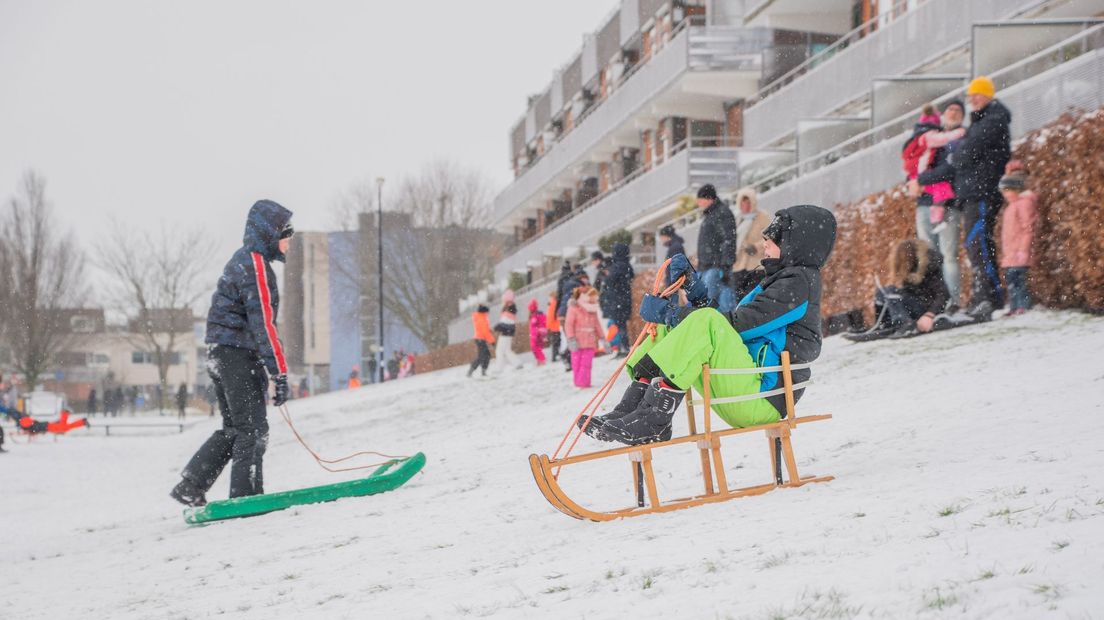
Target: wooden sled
[(708, 443)]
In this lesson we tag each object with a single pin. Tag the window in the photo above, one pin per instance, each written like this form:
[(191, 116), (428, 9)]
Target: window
[(145, 357), (82, 324)]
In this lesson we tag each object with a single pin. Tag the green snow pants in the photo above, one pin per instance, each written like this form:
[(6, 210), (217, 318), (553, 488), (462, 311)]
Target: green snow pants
[(706, 337)]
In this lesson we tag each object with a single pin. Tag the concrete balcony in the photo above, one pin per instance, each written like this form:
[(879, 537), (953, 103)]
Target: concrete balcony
[(693, 75), (833, 16), (629, 206), (921, 38)]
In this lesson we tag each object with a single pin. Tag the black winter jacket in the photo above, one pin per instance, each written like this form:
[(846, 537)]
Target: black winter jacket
[(243, 308), (676, 246), (717, 238), (569, 287), (982, 153), (783, 312), (931, 290), (616, 295)]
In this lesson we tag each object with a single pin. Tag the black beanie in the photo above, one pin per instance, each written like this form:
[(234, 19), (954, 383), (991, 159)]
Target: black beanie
[(708, 191), (956, 101)]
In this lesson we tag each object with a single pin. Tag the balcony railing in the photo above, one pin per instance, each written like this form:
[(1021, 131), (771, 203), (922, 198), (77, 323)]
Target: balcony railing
[(908, 41), (1057, 54)]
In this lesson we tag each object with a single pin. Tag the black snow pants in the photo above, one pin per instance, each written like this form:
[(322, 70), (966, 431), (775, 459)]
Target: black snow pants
[(554, 343), (482, 357), (241, 387), (980, 222)]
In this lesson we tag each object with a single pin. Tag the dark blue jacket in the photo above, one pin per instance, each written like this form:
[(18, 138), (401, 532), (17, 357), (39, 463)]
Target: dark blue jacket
[(616, 294), (243, 308), (982, 153)]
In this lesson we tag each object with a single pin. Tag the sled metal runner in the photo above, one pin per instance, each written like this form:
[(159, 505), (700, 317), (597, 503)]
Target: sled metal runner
[(714, 478), (388, 477)]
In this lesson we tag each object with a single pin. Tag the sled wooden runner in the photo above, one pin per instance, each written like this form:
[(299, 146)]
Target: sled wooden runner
[(708, 443)]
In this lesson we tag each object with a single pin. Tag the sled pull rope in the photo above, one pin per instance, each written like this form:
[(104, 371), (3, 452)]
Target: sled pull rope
[(325, 463), (591, 408)]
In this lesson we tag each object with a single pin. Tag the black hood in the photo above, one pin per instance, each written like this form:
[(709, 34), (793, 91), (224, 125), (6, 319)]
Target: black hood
[(262, 229), (808, 235), (620, 252)]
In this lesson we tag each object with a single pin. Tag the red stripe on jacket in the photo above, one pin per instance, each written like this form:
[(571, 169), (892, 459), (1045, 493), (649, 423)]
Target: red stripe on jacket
[(266, 310)]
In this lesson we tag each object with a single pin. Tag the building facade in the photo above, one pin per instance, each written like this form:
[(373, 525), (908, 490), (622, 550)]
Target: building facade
[(806, 101)]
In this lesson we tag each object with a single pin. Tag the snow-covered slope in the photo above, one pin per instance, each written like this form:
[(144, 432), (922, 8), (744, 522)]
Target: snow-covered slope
[(968, 469)]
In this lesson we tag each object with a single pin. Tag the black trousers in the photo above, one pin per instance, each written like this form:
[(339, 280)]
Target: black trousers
[(482, 357), (979, 220), (241, 387), (554, 342)]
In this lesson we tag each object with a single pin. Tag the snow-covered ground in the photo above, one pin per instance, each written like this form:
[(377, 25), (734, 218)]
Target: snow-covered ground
[(968, 469)]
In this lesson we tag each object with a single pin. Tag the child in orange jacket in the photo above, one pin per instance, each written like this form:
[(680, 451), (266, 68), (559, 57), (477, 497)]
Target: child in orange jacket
[(484, 338), (552, 322)]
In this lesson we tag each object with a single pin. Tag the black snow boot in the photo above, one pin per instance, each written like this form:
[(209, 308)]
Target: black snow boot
[(650, 421), (629, 402), (188, 494)]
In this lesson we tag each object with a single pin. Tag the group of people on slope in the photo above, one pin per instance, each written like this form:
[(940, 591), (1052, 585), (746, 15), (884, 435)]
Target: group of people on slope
[(400, 366), (963, 179)]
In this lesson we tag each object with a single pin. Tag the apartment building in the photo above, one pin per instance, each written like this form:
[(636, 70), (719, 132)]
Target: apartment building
[(649, 109), (807, 101)]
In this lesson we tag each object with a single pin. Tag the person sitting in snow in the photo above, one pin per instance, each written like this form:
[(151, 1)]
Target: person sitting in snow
[(243, 344), (914, 298), (781, 313)]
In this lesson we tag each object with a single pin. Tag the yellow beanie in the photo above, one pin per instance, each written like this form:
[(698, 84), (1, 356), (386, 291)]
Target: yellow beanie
[(981, 86)]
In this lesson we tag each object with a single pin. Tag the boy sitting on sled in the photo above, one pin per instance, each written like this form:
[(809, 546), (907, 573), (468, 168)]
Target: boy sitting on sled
[(781, 313)]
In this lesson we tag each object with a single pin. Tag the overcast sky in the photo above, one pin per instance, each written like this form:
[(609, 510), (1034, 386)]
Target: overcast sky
[(156, 111)]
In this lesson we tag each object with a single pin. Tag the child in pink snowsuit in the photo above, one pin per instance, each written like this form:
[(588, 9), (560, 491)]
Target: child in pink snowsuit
[(583, 332), (538, 331)]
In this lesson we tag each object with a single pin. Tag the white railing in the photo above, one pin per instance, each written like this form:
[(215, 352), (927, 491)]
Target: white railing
[(1039, 89), (842, 73)]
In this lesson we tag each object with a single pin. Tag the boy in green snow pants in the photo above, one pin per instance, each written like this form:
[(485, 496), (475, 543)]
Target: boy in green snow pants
[(782, 313)]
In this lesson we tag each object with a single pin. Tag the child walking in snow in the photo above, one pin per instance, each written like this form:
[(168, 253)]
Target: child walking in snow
[(506, 328), (484, 338), (538, 331), (1017, 233), (583, 331), (553, 324), (782, 313)]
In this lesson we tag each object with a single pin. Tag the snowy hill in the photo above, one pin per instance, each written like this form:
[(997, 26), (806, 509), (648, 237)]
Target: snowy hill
[(968, 469)]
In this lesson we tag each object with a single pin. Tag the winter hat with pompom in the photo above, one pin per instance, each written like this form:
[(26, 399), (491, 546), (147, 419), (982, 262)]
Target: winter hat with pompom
[(508, 296), (533, 305)]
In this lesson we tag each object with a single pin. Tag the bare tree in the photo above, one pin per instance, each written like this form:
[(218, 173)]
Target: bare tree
[(155, 281), (41, 272), (444, 254)]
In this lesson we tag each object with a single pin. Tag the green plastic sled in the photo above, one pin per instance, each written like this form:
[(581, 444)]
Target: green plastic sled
[(387, 478)]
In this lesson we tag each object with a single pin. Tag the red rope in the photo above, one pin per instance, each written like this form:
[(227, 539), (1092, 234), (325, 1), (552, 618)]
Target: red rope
[(591, 408), (325, 463)]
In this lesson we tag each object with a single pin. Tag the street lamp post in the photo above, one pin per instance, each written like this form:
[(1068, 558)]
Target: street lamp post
[(379, 267)]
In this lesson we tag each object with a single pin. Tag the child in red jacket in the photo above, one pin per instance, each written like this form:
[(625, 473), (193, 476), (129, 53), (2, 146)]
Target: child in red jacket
[(538, 331), (1017, 232)]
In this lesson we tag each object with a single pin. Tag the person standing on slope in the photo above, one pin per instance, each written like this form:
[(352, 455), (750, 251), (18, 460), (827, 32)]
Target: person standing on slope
[(242, 346)]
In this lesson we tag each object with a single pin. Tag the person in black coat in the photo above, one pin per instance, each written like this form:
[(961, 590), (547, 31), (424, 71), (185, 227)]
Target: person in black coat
[(601, 264), (979, 162), (672, 241), (716, 248), (914, 297), (182, 401), (616, 296), (243, 345)]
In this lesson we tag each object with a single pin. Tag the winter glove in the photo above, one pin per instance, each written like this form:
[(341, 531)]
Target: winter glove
[(654, 309), (282, 390), (695, 288), (572, 344)]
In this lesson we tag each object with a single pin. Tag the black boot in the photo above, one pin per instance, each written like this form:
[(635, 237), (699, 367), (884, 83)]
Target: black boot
[(188, 494), (629, 402), (651, 421)]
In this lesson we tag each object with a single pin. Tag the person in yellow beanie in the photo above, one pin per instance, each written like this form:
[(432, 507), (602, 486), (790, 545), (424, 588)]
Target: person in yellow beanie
[(979, 164)]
